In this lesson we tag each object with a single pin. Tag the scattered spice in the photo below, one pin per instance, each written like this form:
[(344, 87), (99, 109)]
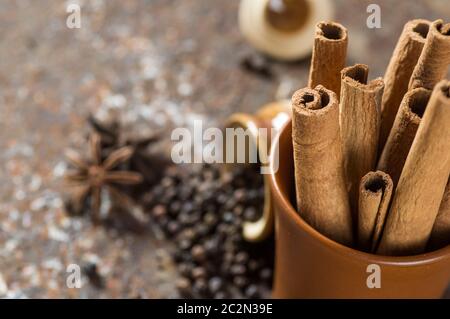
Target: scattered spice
[(257, 65), (91, 271)]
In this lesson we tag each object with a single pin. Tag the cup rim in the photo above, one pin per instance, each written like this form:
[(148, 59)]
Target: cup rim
[(287, 208)]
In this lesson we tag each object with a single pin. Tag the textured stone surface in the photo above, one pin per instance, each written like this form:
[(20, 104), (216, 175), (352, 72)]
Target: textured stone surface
[(170, 60)]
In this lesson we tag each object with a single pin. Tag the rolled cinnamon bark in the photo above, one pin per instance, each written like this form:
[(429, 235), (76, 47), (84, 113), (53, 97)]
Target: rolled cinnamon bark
[(399, 71), (375, 193), (328, 57), (440, 235), (359, 118), (403, 132), (322, 199), (434, 59), (422, 182)]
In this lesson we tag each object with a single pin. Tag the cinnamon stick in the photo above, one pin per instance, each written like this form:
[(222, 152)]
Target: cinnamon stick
[(359, 118), (328, 56), (403, 132), (434, 59), (422, 182), (375, 193), (440, 235), (322, 198), (399, 71)]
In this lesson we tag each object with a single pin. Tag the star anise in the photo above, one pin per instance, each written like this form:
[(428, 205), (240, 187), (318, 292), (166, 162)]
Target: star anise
[(93, 175), (116, 135), (113, 133)]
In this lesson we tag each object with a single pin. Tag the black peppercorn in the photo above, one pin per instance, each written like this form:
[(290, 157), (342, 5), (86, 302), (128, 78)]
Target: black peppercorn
[(202, 209)]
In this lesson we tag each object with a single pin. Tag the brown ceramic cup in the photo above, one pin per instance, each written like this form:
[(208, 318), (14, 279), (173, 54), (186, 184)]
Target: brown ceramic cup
[(272, 117), (309, 265)]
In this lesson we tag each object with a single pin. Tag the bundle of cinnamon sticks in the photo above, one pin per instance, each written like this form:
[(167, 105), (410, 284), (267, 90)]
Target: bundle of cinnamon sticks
[(372, 158)]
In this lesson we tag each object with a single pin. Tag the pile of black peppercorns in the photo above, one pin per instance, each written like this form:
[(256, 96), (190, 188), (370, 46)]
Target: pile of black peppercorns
[(202, 208)]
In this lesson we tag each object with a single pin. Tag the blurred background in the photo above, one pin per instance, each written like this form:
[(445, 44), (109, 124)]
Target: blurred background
[(167, 62)]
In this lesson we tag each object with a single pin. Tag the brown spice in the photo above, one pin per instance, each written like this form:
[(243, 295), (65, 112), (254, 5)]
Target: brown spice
[(422, 182), (399, 70), (94, 174), (328, 57), (359, 119), (434, 59), (115, 134), (403, 132), (374, 197), (322, 198)]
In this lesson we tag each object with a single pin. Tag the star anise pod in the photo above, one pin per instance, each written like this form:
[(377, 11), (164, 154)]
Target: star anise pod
[(116, 135), (93, 175)]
